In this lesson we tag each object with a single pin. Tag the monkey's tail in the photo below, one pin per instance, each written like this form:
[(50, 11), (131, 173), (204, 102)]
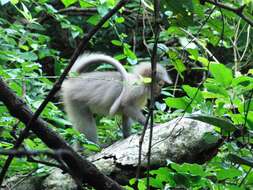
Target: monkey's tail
[(86, 60)]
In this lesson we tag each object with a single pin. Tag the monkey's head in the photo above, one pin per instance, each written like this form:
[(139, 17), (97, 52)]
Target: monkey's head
[(162, 77)]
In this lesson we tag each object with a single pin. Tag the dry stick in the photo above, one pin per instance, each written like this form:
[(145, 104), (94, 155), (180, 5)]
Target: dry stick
[(77, 10), (238, 11), (151, 109), (195, 39), (247, 44), (138, 171), (57, 85), (152, 100), (21, 153)]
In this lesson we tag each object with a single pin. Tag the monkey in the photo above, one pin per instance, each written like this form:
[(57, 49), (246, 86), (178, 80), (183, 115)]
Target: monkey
[(108, 93)]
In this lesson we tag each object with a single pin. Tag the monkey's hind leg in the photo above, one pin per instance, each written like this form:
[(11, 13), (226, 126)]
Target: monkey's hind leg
[(82, 120), (88, 125), (126, 126)]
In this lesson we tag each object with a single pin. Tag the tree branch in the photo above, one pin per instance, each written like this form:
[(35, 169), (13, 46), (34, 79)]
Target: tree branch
[(238, 11), (80, 168), (77, 11)]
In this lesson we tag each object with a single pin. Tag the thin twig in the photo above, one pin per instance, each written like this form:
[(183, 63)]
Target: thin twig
[(200, 44), (235, 49), (151, 108), (31, 159), (152, 98), (78, 11), (138, 171), (247, 44), (143, 32), (29, 153)]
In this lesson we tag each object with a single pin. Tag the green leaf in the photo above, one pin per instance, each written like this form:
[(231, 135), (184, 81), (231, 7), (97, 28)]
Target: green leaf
[(216, 121), (60, 121), (30, 144), (218, 90), (92, 147), (14, 2), (182, 11), (194, 53), (221, 74), (182, 180), (29, 56), (129, 53), (193, 93), (203, 60), (174, 30), (67, 3), (141, 185), (156, 183), (116, 43), (243, 81), (193, 169), (120, 20), (211, 138), (179, 103), (179, 66), (94, 19), (250, 120), (238, 119), (250, 71), (87, 4), (163, 174), (29, 67), (228, 173), (18, 89), (120, 57)]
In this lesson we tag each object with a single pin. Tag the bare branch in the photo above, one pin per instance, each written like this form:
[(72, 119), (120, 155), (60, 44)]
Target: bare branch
[(77, 11), (29, 153), (238, 11)]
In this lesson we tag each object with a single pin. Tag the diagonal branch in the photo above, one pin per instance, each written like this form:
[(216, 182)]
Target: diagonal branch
[(238, 11), (57, 85), (80, 168)]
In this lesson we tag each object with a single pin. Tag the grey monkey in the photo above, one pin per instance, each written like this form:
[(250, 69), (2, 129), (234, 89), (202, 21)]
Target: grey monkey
[(108, 93)]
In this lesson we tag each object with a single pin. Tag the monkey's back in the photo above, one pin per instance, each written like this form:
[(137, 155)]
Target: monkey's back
[(97, 90)]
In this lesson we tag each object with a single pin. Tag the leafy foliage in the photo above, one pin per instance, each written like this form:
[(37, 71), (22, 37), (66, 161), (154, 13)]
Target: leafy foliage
[(207, 49)]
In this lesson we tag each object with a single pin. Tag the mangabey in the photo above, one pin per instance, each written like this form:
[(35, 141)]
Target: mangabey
[(108, 93)]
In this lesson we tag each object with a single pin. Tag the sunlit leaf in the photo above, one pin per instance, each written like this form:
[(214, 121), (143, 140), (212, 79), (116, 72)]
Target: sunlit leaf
[(179, 103), (221, 74), (228, 173), (67, 3)]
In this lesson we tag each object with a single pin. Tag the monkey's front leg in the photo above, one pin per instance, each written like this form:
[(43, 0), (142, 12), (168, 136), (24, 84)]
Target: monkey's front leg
[(135, 113)]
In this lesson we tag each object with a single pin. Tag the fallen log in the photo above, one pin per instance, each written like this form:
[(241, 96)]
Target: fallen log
[(180, 140)]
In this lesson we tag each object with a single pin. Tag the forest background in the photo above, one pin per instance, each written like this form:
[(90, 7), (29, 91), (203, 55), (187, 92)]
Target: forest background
[(205, 45)]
